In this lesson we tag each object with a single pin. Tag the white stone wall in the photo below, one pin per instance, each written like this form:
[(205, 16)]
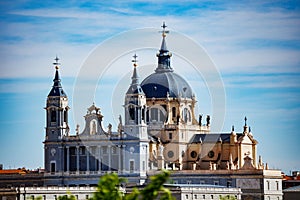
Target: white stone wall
[(52, 193)]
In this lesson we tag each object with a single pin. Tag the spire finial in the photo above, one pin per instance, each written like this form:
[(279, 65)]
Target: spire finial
[(56, 63), (134, 60), (164, 31), (245, 121)]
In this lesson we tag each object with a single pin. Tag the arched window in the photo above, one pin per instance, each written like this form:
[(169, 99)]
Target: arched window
[(143, 113), (173, 112), (186, 115), (65, 116), (53, 116), (52, 167), (131, 113), (157, 114)]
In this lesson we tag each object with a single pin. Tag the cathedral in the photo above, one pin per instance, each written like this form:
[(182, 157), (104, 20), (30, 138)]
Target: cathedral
[(160, 131)]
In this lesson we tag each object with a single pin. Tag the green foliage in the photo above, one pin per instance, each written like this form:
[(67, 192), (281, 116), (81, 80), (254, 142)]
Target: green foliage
[(35, 198), (67, 197), (108, 188), (227, 197), (152, 190)]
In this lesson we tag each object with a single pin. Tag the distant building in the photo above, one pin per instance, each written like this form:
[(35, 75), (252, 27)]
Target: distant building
[(197, 191), (182, 191), (291, 181), (292, 193), (21, 178)]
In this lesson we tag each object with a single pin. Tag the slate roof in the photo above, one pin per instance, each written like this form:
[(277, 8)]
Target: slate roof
[(57, 90), (135, 87), (159, 84), (292, 189), (212, 137)]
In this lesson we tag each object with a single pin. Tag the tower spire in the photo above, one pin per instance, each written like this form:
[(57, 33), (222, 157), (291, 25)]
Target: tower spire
[(134, 78), (57, 88), (135, 87), (164, 55)]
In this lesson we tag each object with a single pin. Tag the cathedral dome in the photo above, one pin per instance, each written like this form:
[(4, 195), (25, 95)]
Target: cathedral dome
[(164, 82), (161, 84)]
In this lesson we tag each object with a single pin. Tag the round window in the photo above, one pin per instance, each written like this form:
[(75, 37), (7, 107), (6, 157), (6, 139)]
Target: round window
[(170, 154), (193, 154), (211, 154)]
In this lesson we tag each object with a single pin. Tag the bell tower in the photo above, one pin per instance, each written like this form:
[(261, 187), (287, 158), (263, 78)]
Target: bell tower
[(136, 127), (135, 107), (56, 123)]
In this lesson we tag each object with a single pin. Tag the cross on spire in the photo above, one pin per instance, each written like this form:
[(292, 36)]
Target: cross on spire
[(245, 121), (56, 63), (164, 31), (134, 60)]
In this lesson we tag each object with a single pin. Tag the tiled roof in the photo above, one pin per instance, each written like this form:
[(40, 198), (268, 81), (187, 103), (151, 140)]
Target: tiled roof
[(13, 171)]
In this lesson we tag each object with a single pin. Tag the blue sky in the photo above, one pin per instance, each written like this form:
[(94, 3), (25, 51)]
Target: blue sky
[(254, 44)]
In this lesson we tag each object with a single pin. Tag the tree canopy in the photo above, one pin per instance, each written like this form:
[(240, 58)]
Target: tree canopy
[(109, 187)]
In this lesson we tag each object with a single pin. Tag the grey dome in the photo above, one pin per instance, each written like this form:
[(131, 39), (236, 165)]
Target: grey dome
[(159, 84)]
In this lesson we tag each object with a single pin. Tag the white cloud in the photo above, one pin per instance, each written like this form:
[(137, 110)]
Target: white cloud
[(221, 32)]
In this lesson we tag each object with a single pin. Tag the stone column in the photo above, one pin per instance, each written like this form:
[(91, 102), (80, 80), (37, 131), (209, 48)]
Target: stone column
[(123, 158), (77, 158), (109, 157), (99, 158), (60, 165), (88, 159), (119, 155), (68, 158)]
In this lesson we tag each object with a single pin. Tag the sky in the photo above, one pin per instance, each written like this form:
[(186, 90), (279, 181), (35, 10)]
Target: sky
[(254, 46)]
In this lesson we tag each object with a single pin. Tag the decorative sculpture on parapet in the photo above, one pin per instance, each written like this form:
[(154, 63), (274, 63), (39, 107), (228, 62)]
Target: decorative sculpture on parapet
[(109, 129), (160, 148), (200, 120), (207, 120), (260, 163), (248, 165), (77, 129), (160, 156), (120, 126)]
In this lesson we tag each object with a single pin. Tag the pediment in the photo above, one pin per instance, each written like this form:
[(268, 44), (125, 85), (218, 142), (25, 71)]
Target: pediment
[(247, 139)]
